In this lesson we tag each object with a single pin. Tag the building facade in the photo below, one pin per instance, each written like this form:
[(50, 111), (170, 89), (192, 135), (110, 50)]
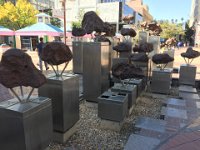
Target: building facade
[(195, 19), (111, 11), (39, 4)]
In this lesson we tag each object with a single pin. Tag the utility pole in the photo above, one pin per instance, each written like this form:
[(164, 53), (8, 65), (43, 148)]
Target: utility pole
[(64, 7)]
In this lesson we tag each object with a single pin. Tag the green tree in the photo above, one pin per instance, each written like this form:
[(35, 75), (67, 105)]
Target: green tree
[(19, 16), (79, 18), (171, 30), (189, 34)]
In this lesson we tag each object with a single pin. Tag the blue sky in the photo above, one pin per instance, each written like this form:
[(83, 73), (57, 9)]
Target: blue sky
[(169, 9)]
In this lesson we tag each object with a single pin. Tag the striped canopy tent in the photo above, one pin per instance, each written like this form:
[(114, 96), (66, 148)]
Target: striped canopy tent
[(6, 32), (40, 29)]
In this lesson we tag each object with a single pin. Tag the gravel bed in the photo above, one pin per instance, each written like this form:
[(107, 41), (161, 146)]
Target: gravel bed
[(90, 136)]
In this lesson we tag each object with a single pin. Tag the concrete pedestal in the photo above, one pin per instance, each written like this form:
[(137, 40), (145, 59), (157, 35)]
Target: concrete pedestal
[(112, 106), (187, 75), (161, 81), (77, 48), (140, 83), (64, 92), (170, 52), (26, 126), (96, 69), (143, 37), (155, 40), (131, 90)]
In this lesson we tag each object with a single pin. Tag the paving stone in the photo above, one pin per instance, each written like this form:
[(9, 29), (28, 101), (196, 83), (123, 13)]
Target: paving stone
[(189, 96), (151, 124), (187, 88), (174, 101), (138, 142), (198, 105), (173, 112)]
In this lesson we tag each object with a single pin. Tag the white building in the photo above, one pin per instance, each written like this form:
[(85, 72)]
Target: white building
[(195, 19)]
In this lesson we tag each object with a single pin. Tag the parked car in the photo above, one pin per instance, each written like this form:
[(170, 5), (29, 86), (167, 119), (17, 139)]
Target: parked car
[(4, 47)]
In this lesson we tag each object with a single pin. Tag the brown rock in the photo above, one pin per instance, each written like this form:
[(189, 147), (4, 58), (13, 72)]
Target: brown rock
[(56, 53), (190, 53), (17, 69), (123, 47), (92, 22), (162, 58), (139, 57), (128, 32), (126, 71)]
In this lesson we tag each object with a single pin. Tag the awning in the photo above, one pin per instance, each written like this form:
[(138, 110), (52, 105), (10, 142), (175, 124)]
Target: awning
[(6, 32), (40, 29)]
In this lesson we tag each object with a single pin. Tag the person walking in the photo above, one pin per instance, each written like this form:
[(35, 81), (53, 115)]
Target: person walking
[(40, 47)]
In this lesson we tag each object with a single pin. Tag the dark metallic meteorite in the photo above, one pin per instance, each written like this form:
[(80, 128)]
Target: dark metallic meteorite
[(56, 53), (125, 71), (92, 22), (123, 47), (146, 47), (139, 57), (109, 29), (102, 39), (190, 53), (162, 58), (128, 32), (78, 31), (17, 69)]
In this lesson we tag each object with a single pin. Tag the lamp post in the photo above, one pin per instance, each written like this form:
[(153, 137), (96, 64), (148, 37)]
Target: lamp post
[(64, 7)]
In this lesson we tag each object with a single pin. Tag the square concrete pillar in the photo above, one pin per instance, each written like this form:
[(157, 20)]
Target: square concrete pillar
[(26, 126), (129, 89), (143, 37), (112, 106), (161, 81), (64, 92), (187, 74), (95, 69), (77, 49)]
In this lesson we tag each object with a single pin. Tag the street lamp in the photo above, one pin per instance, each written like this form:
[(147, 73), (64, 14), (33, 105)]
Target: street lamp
[(64, 4)]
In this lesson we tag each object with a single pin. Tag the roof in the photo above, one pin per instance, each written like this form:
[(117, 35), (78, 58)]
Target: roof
[(40, 29), (42, 15), (6, 31)]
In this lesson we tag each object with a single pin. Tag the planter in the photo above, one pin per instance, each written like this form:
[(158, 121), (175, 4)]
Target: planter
[(161, 81), (64, 92), (140, 83), (131, 90), (187, 75), (96, 69), (26, 126)]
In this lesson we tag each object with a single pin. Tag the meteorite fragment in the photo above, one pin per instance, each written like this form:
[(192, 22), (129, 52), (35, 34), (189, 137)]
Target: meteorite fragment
[(146, 47), (56, 53), (162, 58), (78, 31), (17, 69), (128, 32), (139, 57), (108, 29), (123, 47), (153, 27), (102, 39), (169, 42), (128, 18), (190, 53), (125, 71), (92, 22)]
